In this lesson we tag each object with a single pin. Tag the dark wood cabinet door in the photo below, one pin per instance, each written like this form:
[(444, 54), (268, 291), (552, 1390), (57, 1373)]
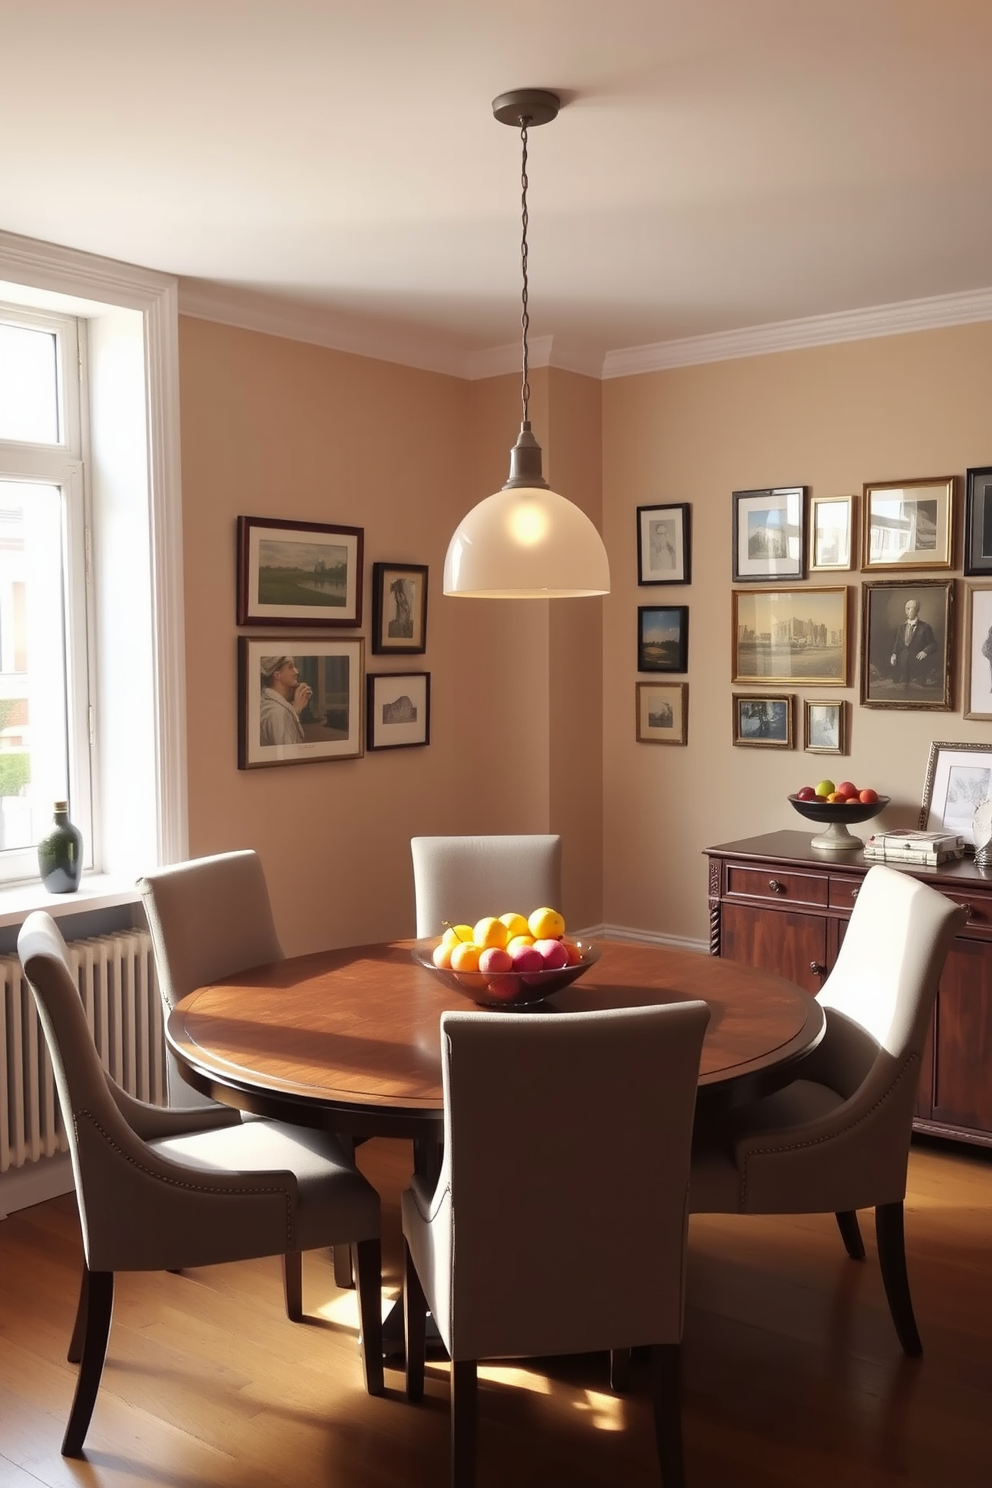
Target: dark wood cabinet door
[(962, 1071), (789, 944)]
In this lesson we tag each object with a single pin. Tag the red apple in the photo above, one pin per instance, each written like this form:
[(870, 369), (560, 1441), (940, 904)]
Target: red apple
[(868, 795), (847, 788), (527, 959), (806, 794), (494, 958), (552, 953)]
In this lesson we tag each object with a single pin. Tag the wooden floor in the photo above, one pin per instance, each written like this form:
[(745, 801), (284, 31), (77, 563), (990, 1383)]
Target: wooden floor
[(793, 1375)]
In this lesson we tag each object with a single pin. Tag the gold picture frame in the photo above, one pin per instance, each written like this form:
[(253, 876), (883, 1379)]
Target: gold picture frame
[(833, 542), (824, 726), (764, 720), (662, 712), (908, 525), (791, 635)]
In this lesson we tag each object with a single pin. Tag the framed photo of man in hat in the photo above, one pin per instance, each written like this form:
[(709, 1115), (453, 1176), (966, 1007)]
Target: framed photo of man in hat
[(299, 704)]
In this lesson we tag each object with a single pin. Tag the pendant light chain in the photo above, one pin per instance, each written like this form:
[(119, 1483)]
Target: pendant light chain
[(525, 315)]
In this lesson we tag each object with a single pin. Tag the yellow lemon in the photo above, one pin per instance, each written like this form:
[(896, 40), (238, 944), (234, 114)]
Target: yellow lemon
[(455, 933), (490, 932), (516, 924), (546, 924)]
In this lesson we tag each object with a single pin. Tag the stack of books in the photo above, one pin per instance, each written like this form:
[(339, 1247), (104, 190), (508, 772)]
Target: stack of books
[(928, 848)]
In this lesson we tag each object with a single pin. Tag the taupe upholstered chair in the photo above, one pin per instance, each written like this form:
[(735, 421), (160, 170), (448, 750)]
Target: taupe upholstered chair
[(836, 1139), (540, 1178), (152, 1197), (460, 879)]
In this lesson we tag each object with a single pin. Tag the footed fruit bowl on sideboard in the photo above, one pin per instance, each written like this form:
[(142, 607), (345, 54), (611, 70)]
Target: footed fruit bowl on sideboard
[(839, 815), (507, 989)]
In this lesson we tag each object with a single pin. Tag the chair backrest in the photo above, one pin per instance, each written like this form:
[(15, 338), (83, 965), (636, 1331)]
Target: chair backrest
[(208, 918), (460, 879), (566, 1158)]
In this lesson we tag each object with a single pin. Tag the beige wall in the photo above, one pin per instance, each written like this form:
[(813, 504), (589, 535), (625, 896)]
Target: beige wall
[(830, 418)]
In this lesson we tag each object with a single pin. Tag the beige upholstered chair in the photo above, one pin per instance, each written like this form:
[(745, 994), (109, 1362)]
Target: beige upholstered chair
[(540, 1179), (463, 878), (836, 1139), (152, 1197)]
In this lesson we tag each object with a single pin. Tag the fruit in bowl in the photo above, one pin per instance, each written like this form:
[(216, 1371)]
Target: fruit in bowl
[(508, 960), (838, 806)]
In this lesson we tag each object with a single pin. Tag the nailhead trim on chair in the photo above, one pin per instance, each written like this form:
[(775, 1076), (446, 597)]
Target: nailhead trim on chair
[(912, 1060), (193, 1187)]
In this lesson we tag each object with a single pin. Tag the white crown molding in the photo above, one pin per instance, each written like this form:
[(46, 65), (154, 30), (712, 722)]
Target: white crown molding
[(68, 271), (792, 335), (543, 351)]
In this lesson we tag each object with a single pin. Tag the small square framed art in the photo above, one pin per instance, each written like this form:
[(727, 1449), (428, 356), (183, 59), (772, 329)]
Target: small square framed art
[(662, 712), (398, 715), (824, 727), (764, 721), (662, 638), (909, 524), (770, 534), (663, 547), (399, 609)]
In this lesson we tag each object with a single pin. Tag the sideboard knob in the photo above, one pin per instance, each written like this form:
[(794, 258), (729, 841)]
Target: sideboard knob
[(817, 969), (854, 893), (776, 886)]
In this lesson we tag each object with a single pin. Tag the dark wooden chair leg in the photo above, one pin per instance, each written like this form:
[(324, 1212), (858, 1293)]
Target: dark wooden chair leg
[(891, 1240), (464, 1414), (344, 1270), (850, 1233), (98, 1287), (75, 1350), (368, 1255), (666, 1381), (292, 1280), (414, 1327), (619, 1370)]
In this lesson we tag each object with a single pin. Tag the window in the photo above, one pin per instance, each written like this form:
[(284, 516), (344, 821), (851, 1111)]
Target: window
[(44, 692)]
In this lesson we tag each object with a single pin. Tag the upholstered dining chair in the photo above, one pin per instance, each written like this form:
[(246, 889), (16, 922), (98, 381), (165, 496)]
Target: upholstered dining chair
[(538, 1180), (153, 1197), (836, 1139), (460, 879)]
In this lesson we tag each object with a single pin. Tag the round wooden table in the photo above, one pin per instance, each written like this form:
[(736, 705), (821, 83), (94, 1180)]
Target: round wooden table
[(348, 1040)]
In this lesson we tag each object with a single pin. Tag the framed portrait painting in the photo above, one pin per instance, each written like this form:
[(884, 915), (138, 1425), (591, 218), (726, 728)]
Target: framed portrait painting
[(906, 644), (398, 712), (663, 552), (790, 635), (764, 722), (298, 573), (662, 712), (824, 727), (978, 521), (909, 524), (958, 781), (769, 534), (978, 652), (399, 608), (662, 638), (299, 700)]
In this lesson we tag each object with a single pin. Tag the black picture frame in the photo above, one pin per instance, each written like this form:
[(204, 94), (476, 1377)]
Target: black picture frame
[(769, 533), (398, 710), (298, 573), (662, 638), (399, 609), (664, 554), (919, 677), (978, 520)]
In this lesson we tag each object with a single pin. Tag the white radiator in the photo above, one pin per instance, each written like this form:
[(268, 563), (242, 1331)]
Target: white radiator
[(116, 979)]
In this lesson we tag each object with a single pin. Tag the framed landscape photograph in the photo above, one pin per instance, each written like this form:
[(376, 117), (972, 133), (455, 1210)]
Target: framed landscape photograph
[(958, 781), (398, 715), (909, 524), (906, 644), (662, 638), (824, 727), (663, 553), (790, 635), (978, 653), (764, 722), (298, 573), (831, 533), (978, 521), (399, 608), (301, 706), (769, 534), (662, 712)]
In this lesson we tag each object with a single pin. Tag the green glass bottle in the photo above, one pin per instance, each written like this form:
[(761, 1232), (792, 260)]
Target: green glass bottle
[(60, 854)]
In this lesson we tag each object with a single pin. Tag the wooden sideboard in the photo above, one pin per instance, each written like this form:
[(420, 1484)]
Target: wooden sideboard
[(780, 904)]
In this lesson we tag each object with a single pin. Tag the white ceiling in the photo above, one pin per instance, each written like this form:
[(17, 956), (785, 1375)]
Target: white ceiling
[(719, 164)]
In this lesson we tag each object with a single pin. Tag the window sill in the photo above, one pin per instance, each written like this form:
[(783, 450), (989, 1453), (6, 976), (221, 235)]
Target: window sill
[(97, 891)]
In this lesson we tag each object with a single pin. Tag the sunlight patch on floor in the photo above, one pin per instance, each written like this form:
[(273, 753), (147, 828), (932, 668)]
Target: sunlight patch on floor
[(512, 1374), (606, 1411)]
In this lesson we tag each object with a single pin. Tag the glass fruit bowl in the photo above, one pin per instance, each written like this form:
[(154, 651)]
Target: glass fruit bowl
[(838, 815), (507, 989)]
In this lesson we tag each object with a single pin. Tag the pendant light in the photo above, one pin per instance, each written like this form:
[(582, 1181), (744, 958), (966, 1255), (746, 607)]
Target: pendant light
[(526, 541)]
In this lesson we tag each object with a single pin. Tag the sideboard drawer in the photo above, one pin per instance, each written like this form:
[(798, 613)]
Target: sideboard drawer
[(979, 907), (776, 885), (843, 891)]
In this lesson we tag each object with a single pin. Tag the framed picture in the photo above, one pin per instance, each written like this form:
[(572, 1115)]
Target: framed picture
[(399, 608), (790, 635), (978, 653), (831, 533), (300, 706), (298, 573), (770, 534), (663, 553), (978, 521), (764, 722), (959, 779), (398, 715), (824, 727), (662, 638), (662, 712), (906, 644), (909, 524)]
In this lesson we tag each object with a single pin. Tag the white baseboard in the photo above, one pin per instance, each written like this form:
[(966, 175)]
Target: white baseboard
[(34, 1183)]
